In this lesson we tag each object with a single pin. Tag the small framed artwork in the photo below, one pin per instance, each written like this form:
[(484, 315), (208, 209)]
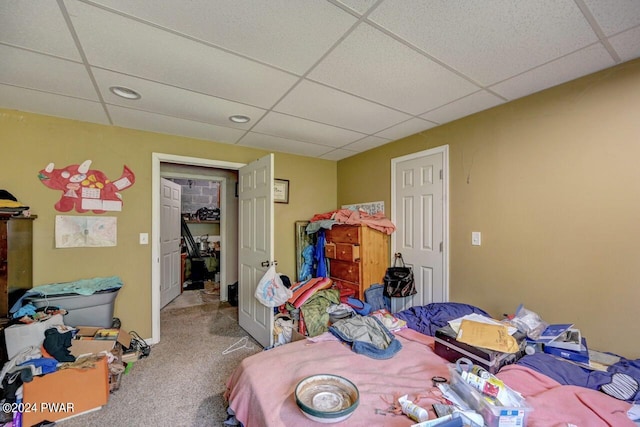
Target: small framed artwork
[(281, 190)]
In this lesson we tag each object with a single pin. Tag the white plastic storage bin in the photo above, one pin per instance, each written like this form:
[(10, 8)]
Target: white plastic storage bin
[(494, 416), (20, 336), (83, 310)]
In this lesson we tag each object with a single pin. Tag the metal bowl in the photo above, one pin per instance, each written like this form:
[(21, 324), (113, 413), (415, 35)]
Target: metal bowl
[(327, 398)]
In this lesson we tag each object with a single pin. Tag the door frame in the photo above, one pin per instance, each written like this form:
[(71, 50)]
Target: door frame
[(156, 160), (223, 218), (444, 149)]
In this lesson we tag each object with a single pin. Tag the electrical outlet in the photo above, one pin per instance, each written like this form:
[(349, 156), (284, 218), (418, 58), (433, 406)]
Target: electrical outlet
[(144, 238), (476, 238)]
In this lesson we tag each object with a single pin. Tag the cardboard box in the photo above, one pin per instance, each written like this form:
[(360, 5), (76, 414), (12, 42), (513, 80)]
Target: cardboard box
[(19, 337), (66, 393), (86, 341), (297, 336)]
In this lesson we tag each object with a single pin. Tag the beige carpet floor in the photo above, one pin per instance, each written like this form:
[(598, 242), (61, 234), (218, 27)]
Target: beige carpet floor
[(182, 382)]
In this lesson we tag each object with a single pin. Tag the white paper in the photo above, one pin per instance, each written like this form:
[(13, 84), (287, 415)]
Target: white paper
[(455, 323), (85, 231)]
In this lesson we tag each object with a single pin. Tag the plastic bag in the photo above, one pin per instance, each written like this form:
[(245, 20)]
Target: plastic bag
[(271, 291), (529, 322)]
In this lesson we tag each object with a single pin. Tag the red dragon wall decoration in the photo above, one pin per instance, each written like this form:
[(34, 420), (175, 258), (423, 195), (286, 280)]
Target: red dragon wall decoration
[(86, 189)]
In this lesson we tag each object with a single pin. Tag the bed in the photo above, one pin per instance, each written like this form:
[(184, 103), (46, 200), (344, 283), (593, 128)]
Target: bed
[(260, 390)]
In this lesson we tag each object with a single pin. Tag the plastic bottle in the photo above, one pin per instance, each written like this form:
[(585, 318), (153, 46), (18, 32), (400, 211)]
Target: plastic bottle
[(412, 410)]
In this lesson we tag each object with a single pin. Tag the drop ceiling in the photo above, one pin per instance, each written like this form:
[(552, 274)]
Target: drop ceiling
[(318, 78)]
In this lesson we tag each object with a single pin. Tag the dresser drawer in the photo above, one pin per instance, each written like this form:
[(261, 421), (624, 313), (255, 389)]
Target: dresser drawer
[(330, 250), (342, 251), (343, 270), (343, 234)]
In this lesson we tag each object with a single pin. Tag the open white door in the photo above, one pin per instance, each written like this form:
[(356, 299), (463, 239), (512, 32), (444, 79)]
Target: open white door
[(170, 262), (419, 185), (255, 241)]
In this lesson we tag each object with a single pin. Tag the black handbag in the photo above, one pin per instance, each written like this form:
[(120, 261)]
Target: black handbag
[(398, 280)]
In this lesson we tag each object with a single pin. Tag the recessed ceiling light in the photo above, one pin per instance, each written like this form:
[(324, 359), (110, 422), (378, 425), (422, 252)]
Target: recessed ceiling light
[(237, 118), (125, 92)]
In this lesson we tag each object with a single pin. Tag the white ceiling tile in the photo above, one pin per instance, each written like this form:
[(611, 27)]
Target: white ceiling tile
[(614, 16), (375, 66), (627, 44), (366, 143), (49, 104), (24, 68), (407, 128), (360, 6), (174, 101), (135, 119), (338, 154), (585, 61), (322, 104), (385, 67), (268, 142), (289, 34), (462, 107), (46, 30), (488, 41), (305, 130), (161, 56)]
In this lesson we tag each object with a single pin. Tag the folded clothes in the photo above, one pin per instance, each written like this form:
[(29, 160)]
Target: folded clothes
[(302, 291)]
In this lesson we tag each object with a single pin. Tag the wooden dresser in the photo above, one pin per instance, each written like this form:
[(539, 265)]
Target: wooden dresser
[(358, 256), (16, 247)]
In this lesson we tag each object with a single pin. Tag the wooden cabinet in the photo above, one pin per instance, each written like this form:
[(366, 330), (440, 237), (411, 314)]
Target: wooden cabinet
[(16, 259), (358, 256)]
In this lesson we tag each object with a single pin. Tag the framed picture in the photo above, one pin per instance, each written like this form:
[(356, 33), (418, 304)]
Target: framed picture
[(281, 190)]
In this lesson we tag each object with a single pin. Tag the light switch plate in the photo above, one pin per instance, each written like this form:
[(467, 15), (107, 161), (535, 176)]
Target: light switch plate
[(476, 238), (144, 238)]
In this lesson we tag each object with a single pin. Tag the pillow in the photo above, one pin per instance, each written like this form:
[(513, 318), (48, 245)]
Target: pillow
[(428, 318)]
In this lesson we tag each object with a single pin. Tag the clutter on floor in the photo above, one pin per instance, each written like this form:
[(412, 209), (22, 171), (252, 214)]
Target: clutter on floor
[(65, 351)]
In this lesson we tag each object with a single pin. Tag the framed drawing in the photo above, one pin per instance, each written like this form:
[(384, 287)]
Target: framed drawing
[(281, 190), (302, 241), (371, 208)]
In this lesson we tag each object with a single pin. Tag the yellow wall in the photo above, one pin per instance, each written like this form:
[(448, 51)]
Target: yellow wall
[(554, 187), (29, 142)]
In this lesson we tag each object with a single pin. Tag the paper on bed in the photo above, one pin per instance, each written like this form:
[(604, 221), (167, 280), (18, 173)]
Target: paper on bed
[(455, 323), (493, 337)]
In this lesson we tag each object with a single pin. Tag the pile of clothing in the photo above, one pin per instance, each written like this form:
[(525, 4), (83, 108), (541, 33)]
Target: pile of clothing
[(10, 206)]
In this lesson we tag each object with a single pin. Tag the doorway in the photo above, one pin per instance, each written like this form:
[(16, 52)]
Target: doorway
[(203, 199), (229, 263), (420, 210)]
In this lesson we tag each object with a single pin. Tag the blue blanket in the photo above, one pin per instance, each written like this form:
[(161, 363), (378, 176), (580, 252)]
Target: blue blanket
[(567, 373), (79, 287), (427, 319)]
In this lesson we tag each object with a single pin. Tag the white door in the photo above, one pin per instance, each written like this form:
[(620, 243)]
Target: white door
[(255, 241), (170, 262), (420, 211)]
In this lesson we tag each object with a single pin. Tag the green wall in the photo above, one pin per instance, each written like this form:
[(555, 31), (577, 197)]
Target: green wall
[(29, 142), (552, 182)]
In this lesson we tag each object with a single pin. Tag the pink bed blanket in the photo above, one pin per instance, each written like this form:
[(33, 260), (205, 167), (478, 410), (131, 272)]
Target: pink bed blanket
[(564, 405), (260, 390)]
